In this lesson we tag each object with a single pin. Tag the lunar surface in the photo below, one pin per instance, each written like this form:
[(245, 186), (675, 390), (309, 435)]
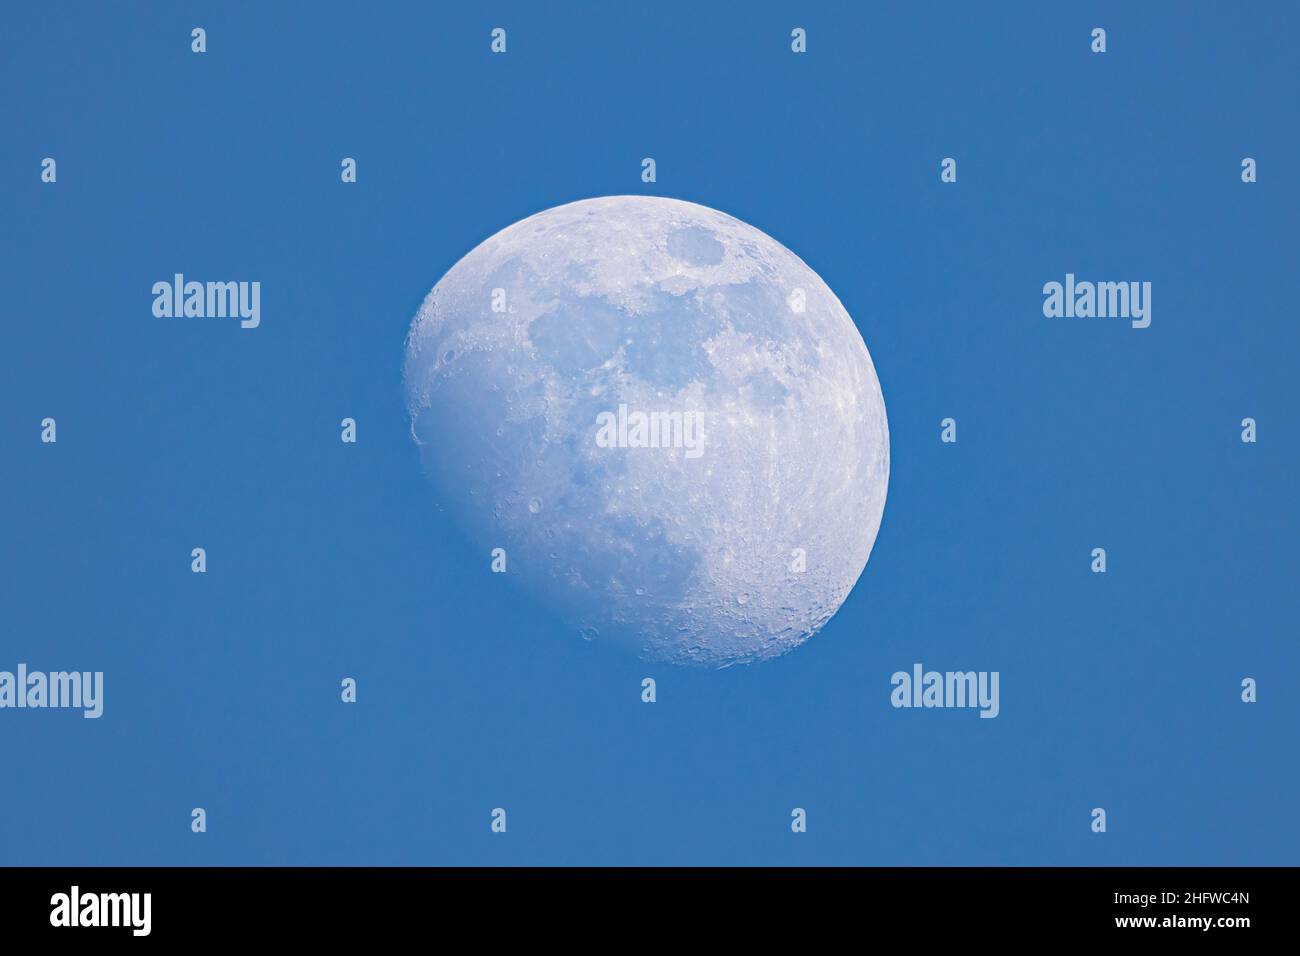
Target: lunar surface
[(667, 422)]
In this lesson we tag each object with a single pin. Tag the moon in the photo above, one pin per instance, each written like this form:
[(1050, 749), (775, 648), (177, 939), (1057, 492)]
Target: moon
[(659, 421)]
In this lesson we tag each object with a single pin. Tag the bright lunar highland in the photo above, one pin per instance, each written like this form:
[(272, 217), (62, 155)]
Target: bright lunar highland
[(666, 420)]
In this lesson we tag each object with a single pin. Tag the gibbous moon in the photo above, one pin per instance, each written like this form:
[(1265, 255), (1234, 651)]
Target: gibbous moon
[(666, 420)]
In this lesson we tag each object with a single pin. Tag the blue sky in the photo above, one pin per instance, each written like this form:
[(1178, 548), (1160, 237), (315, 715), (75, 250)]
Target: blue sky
[(328, 560)]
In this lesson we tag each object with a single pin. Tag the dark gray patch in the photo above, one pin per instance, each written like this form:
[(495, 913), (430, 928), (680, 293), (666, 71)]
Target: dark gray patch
[(765, 390), (578, 334), (667, 342), (695, 246)]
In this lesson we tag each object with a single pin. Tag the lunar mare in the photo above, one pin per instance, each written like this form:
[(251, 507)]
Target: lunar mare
[(581, 318)]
